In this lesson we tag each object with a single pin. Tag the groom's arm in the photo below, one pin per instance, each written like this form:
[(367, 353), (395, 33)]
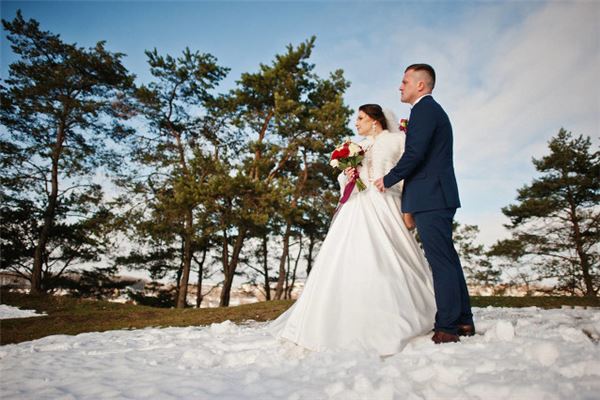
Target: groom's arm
[(420, 131)]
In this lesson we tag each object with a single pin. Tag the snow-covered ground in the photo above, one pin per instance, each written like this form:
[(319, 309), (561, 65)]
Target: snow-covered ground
[(517, 354), (14, 312)]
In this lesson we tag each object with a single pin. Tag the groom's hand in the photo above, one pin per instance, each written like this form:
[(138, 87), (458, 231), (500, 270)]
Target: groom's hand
[(379, 184)]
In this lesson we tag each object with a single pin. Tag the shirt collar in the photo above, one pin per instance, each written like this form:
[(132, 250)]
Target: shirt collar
[(419, 99)]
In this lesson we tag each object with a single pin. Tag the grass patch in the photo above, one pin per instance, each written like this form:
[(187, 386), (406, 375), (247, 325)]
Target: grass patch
[(71, 316)]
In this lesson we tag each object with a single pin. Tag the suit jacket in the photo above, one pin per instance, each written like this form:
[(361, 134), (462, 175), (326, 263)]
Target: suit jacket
[(427, 165)]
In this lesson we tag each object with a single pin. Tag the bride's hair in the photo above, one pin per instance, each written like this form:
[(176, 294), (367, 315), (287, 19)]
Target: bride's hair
[(374, 111)]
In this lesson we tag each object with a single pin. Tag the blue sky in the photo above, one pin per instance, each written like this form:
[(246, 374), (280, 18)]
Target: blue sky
[(510, 74)]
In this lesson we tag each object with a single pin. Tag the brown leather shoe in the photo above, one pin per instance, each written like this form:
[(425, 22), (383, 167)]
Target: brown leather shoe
[(466, 330), (444, 337)]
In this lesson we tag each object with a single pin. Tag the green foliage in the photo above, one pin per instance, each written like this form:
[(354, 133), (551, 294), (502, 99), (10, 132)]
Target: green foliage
[(555, 223)]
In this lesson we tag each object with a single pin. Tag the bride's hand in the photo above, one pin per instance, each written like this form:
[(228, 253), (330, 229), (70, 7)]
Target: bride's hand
[(350, 171)]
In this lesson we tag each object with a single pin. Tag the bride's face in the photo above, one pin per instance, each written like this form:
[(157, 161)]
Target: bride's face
[(364, 124)]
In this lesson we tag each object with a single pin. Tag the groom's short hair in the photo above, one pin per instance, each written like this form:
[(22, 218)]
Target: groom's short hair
[(428, 70)]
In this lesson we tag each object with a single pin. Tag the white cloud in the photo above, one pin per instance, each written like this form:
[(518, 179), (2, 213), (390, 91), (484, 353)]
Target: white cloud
[(509, 76)]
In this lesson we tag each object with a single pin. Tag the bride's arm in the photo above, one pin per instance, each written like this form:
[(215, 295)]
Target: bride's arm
[(388, 154)]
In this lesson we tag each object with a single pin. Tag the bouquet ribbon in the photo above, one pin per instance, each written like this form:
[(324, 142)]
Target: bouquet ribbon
[(348, 190)]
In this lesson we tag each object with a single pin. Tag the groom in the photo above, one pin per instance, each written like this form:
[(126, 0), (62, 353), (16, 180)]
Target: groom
[(431, 195)]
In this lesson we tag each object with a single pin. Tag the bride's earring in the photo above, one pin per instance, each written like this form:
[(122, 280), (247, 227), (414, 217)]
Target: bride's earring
[(373, 128)]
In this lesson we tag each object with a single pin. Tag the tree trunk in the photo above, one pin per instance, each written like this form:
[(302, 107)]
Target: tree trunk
[(309, 259), (261, 135), (187, 259), (287, 277), (290, 288), (282, 270), (583, 259), (40, 249), (225, 263), (229, 267), (199, 296), (179, 270), (266, 268), (188, 225), (585, 268), (286, 237)]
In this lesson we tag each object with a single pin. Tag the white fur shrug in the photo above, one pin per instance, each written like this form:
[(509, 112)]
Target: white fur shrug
[(382, 153)]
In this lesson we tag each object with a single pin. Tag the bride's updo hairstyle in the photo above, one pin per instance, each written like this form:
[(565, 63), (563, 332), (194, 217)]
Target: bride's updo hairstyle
[(374, 111)]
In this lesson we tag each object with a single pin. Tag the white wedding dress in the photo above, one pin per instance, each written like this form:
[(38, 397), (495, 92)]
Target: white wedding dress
[(371, 287)]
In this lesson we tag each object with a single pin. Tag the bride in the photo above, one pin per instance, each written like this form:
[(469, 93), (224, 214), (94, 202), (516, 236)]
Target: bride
[(370, 287)]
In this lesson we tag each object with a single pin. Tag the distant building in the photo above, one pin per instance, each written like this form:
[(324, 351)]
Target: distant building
[(11, 280)]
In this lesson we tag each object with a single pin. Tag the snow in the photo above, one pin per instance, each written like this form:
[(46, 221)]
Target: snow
[(517, 354), (14, 312)]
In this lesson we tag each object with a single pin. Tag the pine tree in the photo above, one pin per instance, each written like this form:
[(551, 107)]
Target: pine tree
[(173, 160), (555, 223), (292, 119), (61, 106)]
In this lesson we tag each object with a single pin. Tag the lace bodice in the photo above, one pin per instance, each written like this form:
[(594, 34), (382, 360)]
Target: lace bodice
[(382, 153)]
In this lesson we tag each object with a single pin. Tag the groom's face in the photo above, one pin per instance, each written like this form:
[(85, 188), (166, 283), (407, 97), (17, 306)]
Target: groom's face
[(408, 88)]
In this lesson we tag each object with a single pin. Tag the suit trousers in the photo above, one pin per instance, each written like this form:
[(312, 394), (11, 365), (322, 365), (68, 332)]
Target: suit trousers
[(451, 294)]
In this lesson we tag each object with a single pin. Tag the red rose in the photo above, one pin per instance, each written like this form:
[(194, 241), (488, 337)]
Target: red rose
[(340, 153)]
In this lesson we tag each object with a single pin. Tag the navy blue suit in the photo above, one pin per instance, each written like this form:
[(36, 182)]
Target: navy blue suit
[(431, 195)]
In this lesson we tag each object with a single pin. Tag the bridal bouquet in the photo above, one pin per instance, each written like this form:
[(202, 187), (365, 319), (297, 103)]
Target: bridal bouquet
[(349, 154)]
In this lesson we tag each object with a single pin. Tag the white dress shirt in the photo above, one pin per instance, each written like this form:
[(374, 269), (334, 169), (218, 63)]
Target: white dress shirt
[(419, 99)]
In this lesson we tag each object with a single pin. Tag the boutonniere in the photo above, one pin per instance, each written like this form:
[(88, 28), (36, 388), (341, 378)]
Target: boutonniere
[(403, 125)]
